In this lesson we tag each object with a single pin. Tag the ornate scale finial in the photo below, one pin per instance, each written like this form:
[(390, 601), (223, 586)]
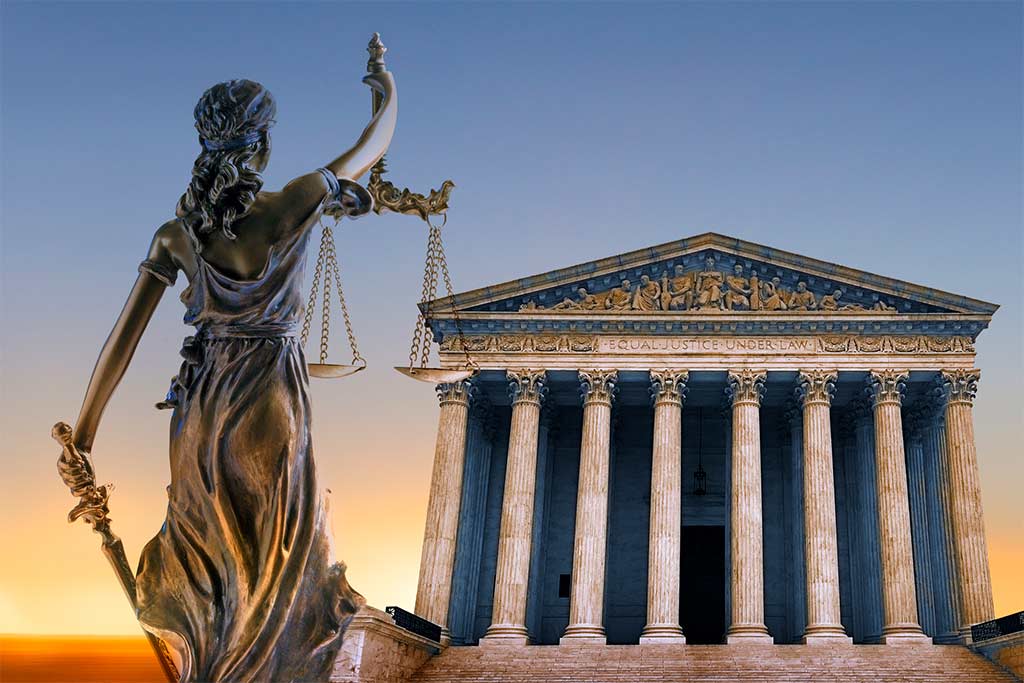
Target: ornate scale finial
[(376, 49)]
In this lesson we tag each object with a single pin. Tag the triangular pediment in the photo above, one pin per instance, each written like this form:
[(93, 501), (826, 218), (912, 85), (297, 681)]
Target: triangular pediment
[(710, 274)]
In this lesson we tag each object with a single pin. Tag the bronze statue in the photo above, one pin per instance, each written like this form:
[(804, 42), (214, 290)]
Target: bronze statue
[(240, 582)]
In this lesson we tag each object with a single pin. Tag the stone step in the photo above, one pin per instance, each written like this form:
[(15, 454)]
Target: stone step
[(740, 664)]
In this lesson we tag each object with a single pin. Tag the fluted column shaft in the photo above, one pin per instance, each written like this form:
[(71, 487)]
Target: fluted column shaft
[(746, 388), (434, 588), (899, 600), (940, 527), (960, 387), (512, 575), (668, 388), (586, 605), (821, 550)]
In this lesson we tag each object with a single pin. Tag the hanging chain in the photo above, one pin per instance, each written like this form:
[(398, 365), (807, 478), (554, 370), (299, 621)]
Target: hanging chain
[(325, 325), (308, 320), (451, 296), (419, 337), (326, 267), (432, 295), (332, 263)]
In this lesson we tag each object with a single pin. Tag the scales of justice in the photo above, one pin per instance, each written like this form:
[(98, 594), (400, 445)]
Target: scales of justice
[(387, 197), (76, 467)]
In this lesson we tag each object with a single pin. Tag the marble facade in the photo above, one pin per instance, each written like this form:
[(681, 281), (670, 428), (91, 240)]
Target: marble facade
[(707, 441)]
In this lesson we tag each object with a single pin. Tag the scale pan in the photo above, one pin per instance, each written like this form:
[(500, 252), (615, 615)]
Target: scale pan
[(435, 375), (332, 371)]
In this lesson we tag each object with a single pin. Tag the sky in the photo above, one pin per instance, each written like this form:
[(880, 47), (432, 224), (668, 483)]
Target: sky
[(883, 136)]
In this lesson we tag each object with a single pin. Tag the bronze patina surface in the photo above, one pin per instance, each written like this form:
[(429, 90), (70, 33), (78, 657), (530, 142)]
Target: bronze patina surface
[(241, 582)]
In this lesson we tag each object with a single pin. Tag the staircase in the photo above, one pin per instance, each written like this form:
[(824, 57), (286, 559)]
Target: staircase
[(721, 663)]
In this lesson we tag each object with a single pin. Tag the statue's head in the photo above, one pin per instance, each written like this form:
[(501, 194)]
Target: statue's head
[(233, 120), (582, 291), (738, 269), (837, 294), (645, 279), (709, 262), (680, 270), (625, 284), (801, 287)]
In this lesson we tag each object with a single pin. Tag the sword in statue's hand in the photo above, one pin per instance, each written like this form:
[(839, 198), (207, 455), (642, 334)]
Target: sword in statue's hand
[(77, 471)]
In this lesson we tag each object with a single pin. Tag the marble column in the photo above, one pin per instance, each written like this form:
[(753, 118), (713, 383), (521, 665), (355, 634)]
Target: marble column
[(668, 388), (512, 574), (586, 604), (971, 553), (469, 545), (821, 548), (915, 422), (745, 389), (940, 525), (899, 601), (433, 590)]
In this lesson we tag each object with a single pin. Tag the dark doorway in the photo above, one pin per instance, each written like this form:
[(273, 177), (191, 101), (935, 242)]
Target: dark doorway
[(702, 584)]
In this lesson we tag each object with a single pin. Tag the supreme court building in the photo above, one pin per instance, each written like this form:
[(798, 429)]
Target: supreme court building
[(709, 440)]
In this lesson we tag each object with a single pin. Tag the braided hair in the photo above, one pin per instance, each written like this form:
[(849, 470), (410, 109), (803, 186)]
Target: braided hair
[(232, 119)]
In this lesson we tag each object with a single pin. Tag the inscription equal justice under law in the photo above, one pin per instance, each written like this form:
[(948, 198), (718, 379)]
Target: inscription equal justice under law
[(739, 345)]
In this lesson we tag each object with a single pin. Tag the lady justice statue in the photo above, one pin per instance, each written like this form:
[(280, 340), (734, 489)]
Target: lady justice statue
[(240, 583)]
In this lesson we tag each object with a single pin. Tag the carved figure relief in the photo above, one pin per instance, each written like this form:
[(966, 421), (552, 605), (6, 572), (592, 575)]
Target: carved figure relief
[(707, 290)]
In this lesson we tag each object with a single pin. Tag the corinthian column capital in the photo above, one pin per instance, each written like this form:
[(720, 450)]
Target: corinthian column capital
[(669, 385), (886, 386), (746, 386), (462, 392), (527, 386), (959, 386), (598, 386), (816, 386)]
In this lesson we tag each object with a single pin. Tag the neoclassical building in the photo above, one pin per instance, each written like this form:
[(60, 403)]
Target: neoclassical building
[(707, 441)]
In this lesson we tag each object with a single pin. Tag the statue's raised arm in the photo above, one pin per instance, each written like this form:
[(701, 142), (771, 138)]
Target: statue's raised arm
[(376, 137)]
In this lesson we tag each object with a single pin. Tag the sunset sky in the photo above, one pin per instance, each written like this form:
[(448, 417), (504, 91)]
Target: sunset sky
[(883, 136)]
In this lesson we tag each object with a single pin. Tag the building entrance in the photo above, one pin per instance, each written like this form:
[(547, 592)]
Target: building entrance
[(702, 584)]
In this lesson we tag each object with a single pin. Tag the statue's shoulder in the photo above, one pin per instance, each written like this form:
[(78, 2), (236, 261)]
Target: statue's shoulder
[(171, 244)]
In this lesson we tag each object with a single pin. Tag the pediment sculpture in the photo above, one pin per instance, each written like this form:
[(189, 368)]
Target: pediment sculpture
[(707, 290)]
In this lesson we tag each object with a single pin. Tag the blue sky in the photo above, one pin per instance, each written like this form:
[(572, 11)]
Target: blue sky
[(883, 136)]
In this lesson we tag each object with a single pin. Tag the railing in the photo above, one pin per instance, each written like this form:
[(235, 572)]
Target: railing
[(415, 624), (987, 630)]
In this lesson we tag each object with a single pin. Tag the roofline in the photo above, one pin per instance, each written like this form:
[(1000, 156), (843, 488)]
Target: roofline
[(589, 269)]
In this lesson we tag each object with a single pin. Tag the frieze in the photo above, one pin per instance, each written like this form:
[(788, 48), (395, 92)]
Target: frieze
[(738, 345)]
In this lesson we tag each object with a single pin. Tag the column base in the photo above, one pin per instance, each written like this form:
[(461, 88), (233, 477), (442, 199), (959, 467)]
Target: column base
[(904, 634), (832, 634), (583, 634), (504, 635), (748, 633), (662, 634)]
